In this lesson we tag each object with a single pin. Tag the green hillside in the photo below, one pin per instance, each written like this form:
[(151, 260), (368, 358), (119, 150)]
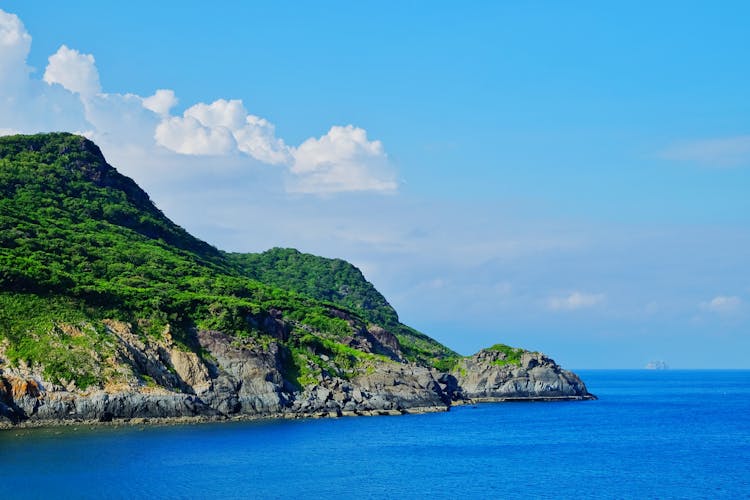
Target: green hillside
[(332, 280), (339, 282), (79, 242)]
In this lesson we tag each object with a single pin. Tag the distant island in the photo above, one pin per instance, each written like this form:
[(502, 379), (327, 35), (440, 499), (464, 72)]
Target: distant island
[(111, 312)]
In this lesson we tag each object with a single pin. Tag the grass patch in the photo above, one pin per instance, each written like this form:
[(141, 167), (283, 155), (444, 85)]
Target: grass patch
[(59, 334), (512, 355)]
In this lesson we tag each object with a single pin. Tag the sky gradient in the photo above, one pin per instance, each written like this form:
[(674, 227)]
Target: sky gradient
[(570, 178)]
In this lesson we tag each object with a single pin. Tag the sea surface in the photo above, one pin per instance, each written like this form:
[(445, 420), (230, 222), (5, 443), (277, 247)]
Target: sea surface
[(652, 434)]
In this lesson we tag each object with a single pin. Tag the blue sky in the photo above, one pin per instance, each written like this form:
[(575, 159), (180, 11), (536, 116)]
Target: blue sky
[(568, 177)]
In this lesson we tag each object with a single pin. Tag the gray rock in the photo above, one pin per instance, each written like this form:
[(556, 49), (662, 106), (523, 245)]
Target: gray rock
[(253, 374), (489, 376), (243, 377)]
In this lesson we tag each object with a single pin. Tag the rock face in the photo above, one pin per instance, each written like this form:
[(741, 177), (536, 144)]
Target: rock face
[(490, 376), (243, 379), (159, 379), (389, 387)]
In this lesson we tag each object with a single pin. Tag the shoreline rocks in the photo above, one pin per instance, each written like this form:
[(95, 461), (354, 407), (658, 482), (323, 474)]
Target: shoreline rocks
[(492, 375), (161, 382), (133, 408), (201, 419)]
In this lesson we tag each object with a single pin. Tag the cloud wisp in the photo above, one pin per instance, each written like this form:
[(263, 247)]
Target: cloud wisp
[(722, 304), (720, 152), (574, 301), (70, 97)]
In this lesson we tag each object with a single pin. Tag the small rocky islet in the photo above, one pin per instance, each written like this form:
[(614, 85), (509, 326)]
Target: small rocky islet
[(109, 312)]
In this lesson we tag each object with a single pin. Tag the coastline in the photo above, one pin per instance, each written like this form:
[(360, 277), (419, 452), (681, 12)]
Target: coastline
[(206, 419), (277, 416)]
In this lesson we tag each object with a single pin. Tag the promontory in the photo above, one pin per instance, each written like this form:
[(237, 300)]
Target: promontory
[(111, 312)]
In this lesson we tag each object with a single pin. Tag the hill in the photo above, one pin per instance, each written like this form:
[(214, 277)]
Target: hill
[(337, 281), (102, 296)]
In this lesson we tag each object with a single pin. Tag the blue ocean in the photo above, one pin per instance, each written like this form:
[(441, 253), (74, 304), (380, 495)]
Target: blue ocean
[(652, 434)]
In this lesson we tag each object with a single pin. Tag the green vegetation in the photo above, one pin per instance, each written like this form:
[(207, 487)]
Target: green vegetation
[(148, 380), (79, 243), (315, 356), (512, 355), (55, 332), (342, 284), (330, 280)]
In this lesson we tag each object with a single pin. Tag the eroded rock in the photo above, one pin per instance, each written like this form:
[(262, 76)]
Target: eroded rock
[(489, 376), (156, 378)]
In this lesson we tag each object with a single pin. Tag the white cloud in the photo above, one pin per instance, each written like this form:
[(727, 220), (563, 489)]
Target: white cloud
[(258, 139), (161, 102), (15, 43), (28, 105), (575, 300), (189, 136), (722, 304), (229, 114), (342, 160), (222, 127), (76, 72), (129, 127), (721, 152)]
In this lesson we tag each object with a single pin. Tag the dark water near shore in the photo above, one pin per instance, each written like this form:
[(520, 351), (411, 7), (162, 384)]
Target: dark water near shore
[(670, 434)]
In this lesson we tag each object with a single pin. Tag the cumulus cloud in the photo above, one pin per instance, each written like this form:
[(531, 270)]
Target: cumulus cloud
[(28, 105), (575, 300), (161, 102), (258, 139), (74, 71), (722, 304), (15, 43), (342, 160), (229, 114), (70, 97), (188, 136), (721, 152), (221, 128)]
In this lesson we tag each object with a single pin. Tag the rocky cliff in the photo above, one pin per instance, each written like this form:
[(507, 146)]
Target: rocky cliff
[(158, 380), (492, 375)]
